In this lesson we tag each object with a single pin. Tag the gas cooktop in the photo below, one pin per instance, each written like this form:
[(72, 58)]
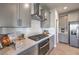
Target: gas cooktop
[(37, 37)]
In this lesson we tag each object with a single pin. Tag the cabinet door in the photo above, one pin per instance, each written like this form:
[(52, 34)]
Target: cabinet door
[(31, 51), (24, 15), (7, 14), (63, 37), (32, 8), (46, 22), (51, 42)]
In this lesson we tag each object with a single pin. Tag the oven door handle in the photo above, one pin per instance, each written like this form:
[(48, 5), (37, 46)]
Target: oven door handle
[(44, 45)]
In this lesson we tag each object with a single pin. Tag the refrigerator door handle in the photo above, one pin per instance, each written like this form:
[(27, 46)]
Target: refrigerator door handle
[(77, 34)]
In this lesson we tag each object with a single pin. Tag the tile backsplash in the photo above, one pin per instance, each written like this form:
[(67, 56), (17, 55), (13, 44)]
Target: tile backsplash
[(35, 29), (50, 30)]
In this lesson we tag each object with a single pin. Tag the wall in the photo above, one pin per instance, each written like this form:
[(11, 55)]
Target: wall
[(51, 27), (63, 22), (57, 25), (68, 17), (35, 29), (73, 16), (54, 22), (52, 19)]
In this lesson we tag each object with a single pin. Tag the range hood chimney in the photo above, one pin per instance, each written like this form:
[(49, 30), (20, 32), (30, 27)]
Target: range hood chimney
[(36, 15)]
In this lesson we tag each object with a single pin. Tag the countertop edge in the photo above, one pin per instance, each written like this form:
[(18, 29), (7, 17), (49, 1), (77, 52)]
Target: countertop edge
[(35, 43)]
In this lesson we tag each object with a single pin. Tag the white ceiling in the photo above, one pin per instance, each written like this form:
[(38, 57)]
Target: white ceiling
[(60, 6)]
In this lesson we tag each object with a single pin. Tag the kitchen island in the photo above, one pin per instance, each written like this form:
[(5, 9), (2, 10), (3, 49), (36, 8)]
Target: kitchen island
[(23, 47)]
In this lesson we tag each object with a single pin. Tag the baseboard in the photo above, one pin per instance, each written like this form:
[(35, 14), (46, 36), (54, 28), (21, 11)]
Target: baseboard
[(63, 42)]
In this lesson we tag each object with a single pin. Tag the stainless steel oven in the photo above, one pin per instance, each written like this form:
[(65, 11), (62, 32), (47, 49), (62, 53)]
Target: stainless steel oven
[(43, 47)]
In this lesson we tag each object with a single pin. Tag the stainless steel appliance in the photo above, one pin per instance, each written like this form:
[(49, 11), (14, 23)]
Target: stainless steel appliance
[(74, 33), (43, 46)]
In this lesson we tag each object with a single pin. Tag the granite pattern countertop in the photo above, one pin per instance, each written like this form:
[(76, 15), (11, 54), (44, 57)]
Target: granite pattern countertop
[(21, 45)]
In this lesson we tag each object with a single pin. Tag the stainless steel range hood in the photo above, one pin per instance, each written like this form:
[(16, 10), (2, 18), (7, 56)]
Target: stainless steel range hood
[(36, 17), (37, 13)]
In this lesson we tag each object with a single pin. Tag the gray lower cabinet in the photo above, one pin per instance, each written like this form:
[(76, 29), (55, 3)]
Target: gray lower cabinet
[(31, 51), (63, 37), (51, 42), (34, 49)]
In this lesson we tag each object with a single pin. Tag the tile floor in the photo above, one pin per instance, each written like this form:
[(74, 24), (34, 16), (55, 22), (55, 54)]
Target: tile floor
[(64, 49)]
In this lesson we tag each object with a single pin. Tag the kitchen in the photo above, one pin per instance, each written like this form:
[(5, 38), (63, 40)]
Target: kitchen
[(34, 28)]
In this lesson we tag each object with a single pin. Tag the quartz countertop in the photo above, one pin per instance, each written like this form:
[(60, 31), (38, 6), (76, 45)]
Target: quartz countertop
[(21, 45)]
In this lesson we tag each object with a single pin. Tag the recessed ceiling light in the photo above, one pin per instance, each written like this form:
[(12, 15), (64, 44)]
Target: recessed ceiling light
[(26, 5), (65, 8)]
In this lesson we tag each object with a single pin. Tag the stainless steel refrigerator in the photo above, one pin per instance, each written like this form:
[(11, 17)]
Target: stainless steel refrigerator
[(74, 33)]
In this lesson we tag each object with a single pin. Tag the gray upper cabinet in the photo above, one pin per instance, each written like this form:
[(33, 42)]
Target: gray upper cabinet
[(24, 15), (46, 18), (7, 15), (15, 15)]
